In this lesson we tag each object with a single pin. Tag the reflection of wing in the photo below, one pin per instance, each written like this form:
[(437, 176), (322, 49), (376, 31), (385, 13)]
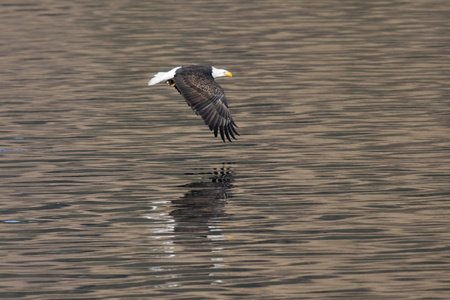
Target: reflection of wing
[(205, 200), (207, 99)]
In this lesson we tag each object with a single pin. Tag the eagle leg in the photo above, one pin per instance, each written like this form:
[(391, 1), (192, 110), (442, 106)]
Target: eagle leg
[(171, 82)]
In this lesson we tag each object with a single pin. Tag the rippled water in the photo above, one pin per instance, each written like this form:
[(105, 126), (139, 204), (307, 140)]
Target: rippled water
[(337, 188)]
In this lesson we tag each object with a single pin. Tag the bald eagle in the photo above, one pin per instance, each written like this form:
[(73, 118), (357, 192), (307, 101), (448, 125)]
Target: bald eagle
[(205, 96)]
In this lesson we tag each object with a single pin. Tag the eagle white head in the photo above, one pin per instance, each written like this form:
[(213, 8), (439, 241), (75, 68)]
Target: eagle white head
[(220, 72)]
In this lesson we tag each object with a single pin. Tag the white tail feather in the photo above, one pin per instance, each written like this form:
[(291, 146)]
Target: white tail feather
[(163, 76)]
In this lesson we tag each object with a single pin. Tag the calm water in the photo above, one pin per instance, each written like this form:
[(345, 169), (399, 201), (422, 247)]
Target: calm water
[(338, 187)]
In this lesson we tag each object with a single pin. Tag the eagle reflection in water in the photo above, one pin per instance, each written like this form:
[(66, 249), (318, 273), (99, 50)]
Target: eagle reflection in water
[(205, 201)]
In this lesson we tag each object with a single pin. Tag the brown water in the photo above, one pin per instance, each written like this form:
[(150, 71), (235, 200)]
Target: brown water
[(338, 187)]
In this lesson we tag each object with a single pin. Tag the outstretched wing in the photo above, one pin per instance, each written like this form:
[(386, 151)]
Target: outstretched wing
[(207, 98)]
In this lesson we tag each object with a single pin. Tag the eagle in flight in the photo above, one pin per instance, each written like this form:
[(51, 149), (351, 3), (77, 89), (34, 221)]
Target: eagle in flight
[(203, 94)]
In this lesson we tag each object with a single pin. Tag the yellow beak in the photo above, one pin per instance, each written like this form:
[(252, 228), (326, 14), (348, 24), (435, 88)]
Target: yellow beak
[(229, 74)]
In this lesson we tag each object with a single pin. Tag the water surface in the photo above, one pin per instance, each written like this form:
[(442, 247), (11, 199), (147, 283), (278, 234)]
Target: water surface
[(337, 188)]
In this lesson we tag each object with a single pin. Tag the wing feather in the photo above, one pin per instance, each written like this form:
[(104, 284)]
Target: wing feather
[(207, 98)]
